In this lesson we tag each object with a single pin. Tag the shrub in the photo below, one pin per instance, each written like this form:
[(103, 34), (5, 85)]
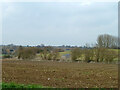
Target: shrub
[(76, 53), (49, 54), (26, 53), (103, 54), (99, 54), (110, 56), (88, 54)]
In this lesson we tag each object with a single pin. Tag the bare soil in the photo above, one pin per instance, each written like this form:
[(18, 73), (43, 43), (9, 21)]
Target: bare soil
[(61, 74)]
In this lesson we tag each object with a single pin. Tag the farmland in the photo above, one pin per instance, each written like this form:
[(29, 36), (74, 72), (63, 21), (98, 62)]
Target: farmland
[(60, 74)]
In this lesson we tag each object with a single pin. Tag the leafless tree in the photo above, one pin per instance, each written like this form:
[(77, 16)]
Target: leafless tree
[(107, 41)]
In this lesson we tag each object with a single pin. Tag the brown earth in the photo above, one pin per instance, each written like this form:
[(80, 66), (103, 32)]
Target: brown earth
[(61, 74)]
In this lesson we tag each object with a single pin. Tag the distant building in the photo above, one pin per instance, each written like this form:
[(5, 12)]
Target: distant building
[(11, 51), (67, 49)]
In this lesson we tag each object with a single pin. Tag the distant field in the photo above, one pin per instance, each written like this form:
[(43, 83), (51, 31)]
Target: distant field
[(60, 74), (65, 52)]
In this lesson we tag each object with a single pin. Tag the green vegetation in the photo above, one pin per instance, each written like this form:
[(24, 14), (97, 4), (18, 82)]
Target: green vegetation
[(14, 85)]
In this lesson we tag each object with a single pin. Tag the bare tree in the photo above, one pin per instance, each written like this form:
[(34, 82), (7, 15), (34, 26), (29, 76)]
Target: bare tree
[(107, 41)]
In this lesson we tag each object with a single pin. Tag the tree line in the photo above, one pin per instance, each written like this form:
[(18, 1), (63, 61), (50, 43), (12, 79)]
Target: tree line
[(107, 41), (46, 53), (95, 54), (101, 52)]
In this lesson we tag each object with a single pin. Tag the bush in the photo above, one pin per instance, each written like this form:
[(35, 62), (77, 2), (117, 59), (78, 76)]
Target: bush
[(110, 56), (26, 53), (49, 54), (103, 54), (76, 53), (88, 54), (99, 54)]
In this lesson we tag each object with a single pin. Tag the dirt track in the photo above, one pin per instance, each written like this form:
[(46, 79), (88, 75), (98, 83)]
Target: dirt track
[(61, 74)]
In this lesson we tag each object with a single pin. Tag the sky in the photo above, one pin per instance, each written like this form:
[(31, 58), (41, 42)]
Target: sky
[(57, 23)]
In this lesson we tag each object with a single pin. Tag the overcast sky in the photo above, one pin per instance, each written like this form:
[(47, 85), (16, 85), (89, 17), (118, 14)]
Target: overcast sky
[(58, 23)]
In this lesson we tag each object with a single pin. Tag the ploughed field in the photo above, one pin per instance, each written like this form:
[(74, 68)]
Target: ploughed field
[(60, 74)]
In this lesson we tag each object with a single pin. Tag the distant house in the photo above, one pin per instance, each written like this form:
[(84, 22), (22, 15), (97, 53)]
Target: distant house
[(67, 49), (11, 51)]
